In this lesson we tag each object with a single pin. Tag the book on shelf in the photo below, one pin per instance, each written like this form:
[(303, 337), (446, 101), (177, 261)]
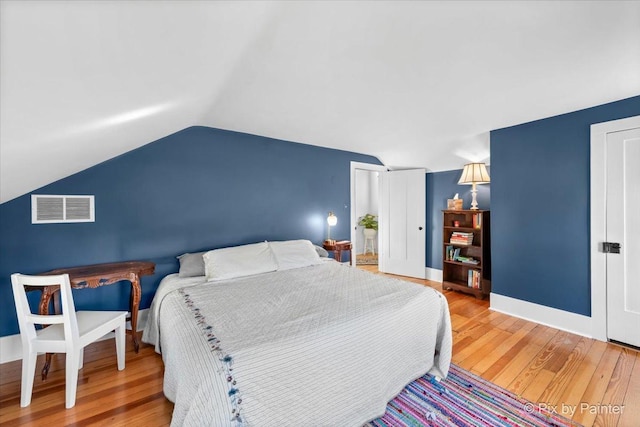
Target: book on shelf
[(467, 260), (448, 253), (473, 280), (477, 220), (462, 234), (461, 238), (458, 242)]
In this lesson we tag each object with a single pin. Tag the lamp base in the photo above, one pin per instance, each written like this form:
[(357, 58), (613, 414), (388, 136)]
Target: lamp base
[(474, 201)]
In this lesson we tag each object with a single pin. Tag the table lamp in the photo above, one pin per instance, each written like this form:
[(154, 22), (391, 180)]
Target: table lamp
[(331, 220), (472, 174)]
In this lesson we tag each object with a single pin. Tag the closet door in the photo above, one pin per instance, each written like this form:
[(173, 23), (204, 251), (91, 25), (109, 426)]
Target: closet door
[(402, 223), (623, 236)]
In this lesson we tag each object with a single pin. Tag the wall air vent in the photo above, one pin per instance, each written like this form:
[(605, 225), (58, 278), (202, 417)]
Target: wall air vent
[(49, 209)]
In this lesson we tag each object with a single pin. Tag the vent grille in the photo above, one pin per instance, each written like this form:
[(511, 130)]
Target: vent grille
[(48, 209)]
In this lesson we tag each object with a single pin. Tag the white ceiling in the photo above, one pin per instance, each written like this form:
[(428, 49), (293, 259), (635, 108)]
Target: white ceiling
[(417, 84)]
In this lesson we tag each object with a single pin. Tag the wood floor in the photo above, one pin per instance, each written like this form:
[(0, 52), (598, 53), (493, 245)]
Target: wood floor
[(592, 382)]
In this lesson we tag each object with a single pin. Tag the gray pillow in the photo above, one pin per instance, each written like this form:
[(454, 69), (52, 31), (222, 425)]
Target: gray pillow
[(191, 264), (322, 253)]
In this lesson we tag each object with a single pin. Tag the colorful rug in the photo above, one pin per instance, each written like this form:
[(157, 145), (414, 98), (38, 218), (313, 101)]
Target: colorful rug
[(463, 399), (367, 259)]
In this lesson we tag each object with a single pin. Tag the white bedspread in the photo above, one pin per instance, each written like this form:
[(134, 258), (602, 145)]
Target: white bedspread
[(326, 345)]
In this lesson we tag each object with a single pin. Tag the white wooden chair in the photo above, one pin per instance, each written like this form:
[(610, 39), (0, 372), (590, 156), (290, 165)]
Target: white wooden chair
[(69, 332)]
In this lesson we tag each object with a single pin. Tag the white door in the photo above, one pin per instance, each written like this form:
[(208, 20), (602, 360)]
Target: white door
[(402, 223), (623, 227)]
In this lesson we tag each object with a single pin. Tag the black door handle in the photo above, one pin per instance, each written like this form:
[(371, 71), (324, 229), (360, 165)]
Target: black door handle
[(420, 228)]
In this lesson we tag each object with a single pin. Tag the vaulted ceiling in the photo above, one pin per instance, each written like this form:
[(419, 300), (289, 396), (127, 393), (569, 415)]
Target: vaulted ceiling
[(417, 84)]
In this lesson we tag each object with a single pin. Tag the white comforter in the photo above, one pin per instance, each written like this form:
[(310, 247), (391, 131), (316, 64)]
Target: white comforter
[(326, 345)]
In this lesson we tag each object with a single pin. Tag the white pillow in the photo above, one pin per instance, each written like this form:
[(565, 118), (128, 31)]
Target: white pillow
[(294, 254), (239, 261)]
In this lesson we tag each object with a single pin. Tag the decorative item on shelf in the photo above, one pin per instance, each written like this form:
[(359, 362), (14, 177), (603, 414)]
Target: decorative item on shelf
[(331, 221), (473, 174), (454, 204)]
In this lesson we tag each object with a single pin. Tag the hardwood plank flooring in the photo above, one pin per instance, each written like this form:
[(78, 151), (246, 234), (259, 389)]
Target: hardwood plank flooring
[(594, 383)]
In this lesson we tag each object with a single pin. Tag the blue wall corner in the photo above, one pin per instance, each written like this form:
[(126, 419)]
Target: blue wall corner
[(197, 189), (440, 187), (540, 207)]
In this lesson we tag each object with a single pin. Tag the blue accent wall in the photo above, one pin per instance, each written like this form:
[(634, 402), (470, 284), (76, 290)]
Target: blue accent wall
[(540, 207), (197, 189), (440, 187)]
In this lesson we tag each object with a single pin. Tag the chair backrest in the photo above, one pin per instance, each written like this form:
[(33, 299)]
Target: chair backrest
[(28, 319)]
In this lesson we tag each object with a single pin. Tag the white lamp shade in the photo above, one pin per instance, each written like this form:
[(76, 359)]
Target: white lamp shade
[(332, 219), (474, 173)]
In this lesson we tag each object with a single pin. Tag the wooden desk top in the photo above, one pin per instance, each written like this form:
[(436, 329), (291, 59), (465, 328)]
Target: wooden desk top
[(96, 275), (102, 273)]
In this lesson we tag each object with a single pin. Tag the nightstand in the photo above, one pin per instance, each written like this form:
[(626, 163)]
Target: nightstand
[(337, 248)]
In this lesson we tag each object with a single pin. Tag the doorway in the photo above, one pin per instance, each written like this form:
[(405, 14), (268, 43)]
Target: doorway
[(367, 211), (365, 200)]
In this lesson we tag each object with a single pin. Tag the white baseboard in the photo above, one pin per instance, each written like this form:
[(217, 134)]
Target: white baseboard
[(548, 316), (11, 346), (433, 274)]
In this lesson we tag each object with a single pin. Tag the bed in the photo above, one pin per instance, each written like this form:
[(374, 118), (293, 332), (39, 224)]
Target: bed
[(303, 341)]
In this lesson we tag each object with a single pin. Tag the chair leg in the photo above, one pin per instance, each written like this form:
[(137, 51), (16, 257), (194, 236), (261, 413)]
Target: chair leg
[(120, 346), (28, 372), (81, 358), (71, 377)]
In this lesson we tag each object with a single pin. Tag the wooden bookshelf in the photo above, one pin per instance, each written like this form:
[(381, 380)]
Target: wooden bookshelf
[(466, 267)]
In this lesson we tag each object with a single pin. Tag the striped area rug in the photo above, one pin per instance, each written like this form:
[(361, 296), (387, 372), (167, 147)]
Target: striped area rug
[(463, 399), (367, 259)]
